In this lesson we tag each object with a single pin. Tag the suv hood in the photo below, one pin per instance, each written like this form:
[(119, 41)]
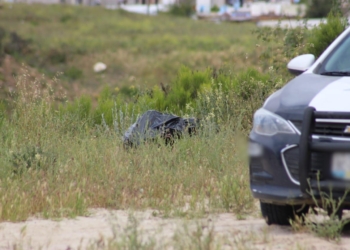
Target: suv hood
[(324, 93)]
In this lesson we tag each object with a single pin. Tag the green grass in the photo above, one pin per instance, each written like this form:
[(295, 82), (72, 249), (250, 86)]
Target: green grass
[(95, 171), (138, 50), (56, 165), (59, 160)]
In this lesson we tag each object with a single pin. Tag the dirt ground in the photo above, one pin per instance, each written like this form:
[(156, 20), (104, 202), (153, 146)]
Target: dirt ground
[(102, 227)]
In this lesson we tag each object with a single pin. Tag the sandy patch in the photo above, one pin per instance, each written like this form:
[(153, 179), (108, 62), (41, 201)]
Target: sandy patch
[(103, 225)]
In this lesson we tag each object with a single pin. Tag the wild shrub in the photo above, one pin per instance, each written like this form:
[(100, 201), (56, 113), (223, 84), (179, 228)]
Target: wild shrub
[(221, 96), (324, 34), (184, 90), (215, 8), (184, 8), (157, 99), (246, 83), (186, 87), (234, 96)]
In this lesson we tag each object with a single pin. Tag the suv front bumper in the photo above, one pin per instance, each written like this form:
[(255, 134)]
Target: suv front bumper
[(286, 169)]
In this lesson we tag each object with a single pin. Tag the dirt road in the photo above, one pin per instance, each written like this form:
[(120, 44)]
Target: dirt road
[(122, 228)]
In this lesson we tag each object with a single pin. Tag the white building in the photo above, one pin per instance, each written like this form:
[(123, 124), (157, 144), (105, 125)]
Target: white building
[(256, 8)]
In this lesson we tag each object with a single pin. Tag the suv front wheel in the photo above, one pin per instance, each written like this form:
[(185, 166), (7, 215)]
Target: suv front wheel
[(281, 214)]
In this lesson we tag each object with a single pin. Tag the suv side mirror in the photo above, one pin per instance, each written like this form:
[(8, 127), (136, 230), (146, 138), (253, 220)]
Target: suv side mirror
[(300, 64)]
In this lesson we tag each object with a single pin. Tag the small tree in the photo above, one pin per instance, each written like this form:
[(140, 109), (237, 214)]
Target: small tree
[(320, 8)]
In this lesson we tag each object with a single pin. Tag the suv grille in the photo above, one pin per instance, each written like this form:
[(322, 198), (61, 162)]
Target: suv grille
[(320, 162), (331, 129), (325, 128)]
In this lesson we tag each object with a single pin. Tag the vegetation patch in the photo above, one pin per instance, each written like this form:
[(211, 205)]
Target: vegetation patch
[(60, 157), (138, 50)]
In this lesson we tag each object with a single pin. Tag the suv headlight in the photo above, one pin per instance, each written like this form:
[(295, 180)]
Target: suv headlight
[(267, 123)]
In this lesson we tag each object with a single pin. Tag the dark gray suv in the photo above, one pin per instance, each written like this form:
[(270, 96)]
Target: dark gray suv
[(300, 141)]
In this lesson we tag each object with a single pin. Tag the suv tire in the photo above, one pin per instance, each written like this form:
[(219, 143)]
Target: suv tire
[(281, 214)]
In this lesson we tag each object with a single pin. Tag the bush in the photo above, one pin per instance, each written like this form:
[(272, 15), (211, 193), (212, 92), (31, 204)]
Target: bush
[(248, 82), (235, 96), (215, 8), (185, 9), (185, 88), (323, 35), (243, 84), (201, 93), (183, 91), (321, 8)]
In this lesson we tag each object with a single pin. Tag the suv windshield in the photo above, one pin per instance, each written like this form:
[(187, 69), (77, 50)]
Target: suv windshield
[(338, 62)]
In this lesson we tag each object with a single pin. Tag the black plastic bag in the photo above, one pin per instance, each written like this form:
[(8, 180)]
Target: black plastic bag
[(153, 124)]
